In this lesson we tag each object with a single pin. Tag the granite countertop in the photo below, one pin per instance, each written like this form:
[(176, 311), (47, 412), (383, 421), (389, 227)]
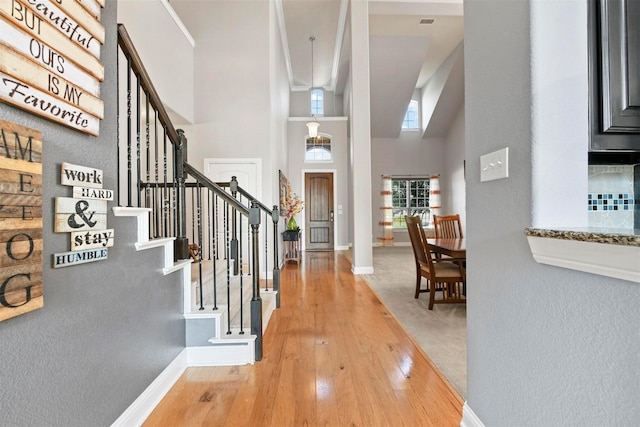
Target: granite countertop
[(613, 236)]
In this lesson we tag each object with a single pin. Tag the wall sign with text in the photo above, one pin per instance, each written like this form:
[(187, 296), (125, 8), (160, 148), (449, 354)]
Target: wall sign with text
[(20, 220), (50, 60), (84, 216)]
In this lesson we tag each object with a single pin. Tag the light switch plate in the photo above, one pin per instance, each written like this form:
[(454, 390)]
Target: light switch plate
[(494, 165)]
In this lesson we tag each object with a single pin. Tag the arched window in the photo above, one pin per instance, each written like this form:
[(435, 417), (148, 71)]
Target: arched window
[(411, 118), (318, 149)]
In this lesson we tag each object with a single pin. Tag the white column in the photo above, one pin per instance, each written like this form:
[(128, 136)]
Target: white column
[(361, 139)]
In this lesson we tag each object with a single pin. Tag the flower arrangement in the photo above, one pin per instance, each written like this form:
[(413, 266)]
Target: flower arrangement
[(292, 206)]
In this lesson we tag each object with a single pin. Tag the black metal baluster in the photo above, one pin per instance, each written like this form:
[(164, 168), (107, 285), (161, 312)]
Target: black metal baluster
[(156, 193), (147, 194), (129, 132), (228, 255), (210, 240), (234, 226), (215, 257), (241, 280), (166, 201), (266, 253), (193, 221), (200, 245), (138, 142)]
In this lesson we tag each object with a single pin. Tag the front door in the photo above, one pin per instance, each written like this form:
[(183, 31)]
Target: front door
[(318, 196)]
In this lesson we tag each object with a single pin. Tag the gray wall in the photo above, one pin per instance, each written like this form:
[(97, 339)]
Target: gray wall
[(546, 346), (452, 182), (107, 328), (409, 154)]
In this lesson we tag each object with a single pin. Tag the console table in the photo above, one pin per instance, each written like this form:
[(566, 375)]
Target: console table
[(292, 247)]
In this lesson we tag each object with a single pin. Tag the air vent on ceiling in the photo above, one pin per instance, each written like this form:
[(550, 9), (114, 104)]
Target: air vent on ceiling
[(427, 21)]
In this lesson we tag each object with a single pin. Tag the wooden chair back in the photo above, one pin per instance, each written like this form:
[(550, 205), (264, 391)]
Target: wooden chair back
[(447, 226), (414, 224), (418, 243)]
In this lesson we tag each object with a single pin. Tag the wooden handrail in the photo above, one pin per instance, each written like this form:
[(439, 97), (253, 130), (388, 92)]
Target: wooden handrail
[(206, 182), (125, 43)]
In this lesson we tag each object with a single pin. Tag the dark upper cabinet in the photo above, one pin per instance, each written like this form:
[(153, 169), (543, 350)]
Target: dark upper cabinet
[(614, 74)]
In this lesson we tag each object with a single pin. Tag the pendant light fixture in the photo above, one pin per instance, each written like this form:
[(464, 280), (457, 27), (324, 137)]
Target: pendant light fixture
[(313, 125)]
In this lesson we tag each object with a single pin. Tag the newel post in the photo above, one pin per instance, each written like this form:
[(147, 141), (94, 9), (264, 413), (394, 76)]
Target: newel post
[(181, 244), (256, 301), (275, 217)]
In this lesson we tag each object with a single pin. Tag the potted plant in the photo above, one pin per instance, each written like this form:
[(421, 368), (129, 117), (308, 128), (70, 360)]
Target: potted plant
[(293, 205)]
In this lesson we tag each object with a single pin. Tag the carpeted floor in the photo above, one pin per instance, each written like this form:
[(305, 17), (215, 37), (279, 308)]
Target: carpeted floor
[(441, 332)]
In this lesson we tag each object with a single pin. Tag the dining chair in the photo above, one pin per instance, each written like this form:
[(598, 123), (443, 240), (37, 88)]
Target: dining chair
[(447, 226), (445, 276), (417, 243), (442, 275)]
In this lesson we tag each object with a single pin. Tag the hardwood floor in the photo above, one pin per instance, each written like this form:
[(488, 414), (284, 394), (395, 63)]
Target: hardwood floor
[(333, 356)]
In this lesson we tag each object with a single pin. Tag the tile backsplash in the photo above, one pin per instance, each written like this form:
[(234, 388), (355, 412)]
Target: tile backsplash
[(614, 193)]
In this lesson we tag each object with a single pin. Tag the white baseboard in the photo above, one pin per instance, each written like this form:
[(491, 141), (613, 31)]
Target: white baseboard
[(469, 418), (224, 352), (380, 245), (140, 409), (362, 270)]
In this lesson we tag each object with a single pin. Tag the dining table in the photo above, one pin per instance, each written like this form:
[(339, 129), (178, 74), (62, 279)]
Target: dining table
[(454, 248)]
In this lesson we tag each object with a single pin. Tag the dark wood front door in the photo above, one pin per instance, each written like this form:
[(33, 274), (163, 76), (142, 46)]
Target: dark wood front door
[(319, 211)]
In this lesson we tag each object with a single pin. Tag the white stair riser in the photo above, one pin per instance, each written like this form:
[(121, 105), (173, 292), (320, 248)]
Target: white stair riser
[(222, 354)]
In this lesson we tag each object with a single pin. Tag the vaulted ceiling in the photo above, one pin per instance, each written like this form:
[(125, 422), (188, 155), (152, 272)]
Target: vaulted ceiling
[(409, 43)]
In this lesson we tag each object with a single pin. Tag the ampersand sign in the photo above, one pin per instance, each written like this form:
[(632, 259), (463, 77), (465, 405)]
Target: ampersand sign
[(81, 208)]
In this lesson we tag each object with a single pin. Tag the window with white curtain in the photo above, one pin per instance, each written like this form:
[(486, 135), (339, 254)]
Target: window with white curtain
[(410, 196)]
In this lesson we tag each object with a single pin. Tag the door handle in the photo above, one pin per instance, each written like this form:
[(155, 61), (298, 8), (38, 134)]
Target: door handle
[(331, 215)]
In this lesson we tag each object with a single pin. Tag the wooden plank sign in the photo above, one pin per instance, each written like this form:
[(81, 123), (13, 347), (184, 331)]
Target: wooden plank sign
[(66, 259), (81, 240), (79, 13), (24, 18), (20, 220), (92, 193), (93, 7), (48, 11), (79, 215), (49, 58), (76, 175), (20, 94), (14, 64)]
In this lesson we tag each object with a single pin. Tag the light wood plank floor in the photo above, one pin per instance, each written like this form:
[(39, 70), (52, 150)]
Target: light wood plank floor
[(333, 356)]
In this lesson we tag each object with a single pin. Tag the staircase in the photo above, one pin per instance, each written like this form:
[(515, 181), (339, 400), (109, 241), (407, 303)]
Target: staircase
[(208, 341), (168, 197)]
